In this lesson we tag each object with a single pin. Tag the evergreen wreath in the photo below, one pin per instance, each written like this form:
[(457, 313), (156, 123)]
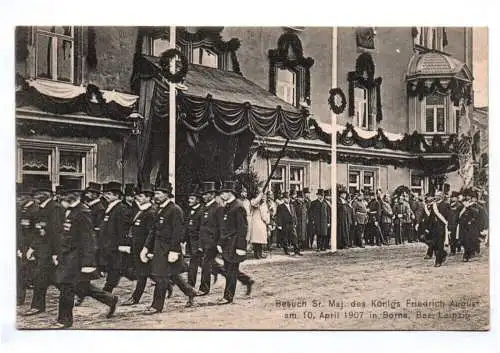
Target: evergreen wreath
[(337, 109), (165, 58)]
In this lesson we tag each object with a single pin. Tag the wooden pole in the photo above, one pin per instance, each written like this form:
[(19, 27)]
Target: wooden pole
[(172, 117), (333, 164)]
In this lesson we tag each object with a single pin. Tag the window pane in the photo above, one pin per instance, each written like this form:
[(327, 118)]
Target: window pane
[(296, 174), (429, 120), (160, 45), (44, 56), (285, 84), (63, 30), (353, 178), (70, 182), (70, 162), (440, 120), (36, 160), (33, 181), (64, 60), (368, 179)]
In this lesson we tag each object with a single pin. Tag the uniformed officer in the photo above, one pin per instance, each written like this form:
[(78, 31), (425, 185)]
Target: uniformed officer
[(112, 239), (163, 246), (192, 234), (75, 259), (49, 227), (141, 225), (232, 242)]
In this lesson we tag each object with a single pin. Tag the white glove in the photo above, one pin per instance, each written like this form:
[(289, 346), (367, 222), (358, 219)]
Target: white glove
[(88, 269), (19, 253), (173, 256), (280, 227), (143, 255), (200, 250), (125, 249), (241, 252), (54, 260), (484, 232), (376, 223), (219, 249), (29, 254), (150, 256)]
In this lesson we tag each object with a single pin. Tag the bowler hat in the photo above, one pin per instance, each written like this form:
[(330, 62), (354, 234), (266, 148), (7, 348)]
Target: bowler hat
[(94, 187), (113, 186), (228, 186), (306, 191), (165, 187), (130, 189), (320, 192), (208, 187)]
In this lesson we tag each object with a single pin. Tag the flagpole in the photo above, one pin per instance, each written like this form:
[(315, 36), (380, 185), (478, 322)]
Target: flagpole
[(172, 117), (333, 164)]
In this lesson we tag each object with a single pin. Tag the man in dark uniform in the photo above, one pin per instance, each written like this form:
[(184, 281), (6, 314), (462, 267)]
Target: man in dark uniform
[(163, 245), (343, 224), (423, 229), (142, 223), (360, 215), (26, 212), (469, 226), (210, 229), (75, 260), (232, 242), (301, 213), (328, 201), (192, 235), (318, 215), (455, 208), (49, 226), (112, 239), (286, 222), (310, 231), (437, 226), (373, 231)]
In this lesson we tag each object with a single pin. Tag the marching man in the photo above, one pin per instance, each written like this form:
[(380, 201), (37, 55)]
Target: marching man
[(437, 225)]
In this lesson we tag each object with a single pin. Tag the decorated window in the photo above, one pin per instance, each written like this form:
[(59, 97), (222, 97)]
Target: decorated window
[(361, 108), (68, 165), (417, 183), (435, 114), (289, 72), (55, 53), (363, 180), (205, 57), (289, 176), (286, 85), (430, 37)]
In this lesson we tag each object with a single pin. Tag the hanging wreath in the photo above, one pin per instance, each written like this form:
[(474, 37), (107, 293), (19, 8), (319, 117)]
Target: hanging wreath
[(337, 94), (174, 77)]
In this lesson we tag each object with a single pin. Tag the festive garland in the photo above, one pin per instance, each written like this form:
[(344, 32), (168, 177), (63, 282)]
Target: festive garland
[(456, 88), (364, 64), (295, 154), (165, 65), (337, 109)]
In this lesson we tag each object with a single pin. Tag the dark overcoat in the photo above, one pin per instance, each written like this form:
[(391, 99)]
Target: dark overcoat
[(469, 224), (234, 231), (192, 225), (318, 214), (76, 246), (301, 213), (142, 223), (210, 225), (113, 233), (166, 236)]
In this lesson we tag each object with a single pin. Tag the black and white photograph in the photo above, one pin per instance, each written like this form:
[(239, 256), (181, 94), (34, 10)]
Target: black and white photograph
[(251, 178)]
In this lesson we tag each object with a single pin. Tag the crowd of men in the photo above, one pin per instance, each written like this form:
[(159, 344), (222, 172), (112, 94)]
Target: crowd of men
[(72, 237), (456, 220), (291, 220)]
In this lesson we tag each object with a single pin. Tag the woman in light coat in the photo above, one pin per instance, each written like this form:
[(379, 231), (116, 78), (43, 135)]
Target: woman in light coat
[(260, 219)]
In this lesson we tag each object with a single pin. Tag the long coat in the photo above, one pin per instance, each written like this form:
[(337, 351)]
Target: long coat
[(437, 223), (301, 212), (26, 217), (343, 224), (469, 224), (113, 233), (97, 215), (210, 225), (260, 218), (49, 226), (318, 214), (142, 223), (233, 232), (165, 237), (386, 215), (192, 226), (76, 247)]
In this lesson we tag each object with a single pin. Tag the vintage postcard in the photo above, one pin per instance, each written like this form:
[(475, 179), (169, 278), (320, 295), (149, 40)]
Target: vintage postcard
[(185, 178)]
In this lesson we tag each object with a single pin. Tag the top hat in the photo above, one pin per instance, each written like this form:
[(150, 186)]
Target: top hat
[(65, 191), (146, 190), (300, 193), (228, 186), (320, 192), (195, 190), (165, 187), (94, 187), (130, 189), (113, 186), (306, 190), (208, 187)]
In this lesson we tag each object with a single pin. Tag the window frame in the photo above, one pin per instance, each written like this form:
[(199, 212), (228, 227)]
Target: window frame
[(424, 184), (366, 107), (288, 165), (89, 159), (435, 107), (54, 64), (201, 49), (294, 86), (430, 38), (360, 171)]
